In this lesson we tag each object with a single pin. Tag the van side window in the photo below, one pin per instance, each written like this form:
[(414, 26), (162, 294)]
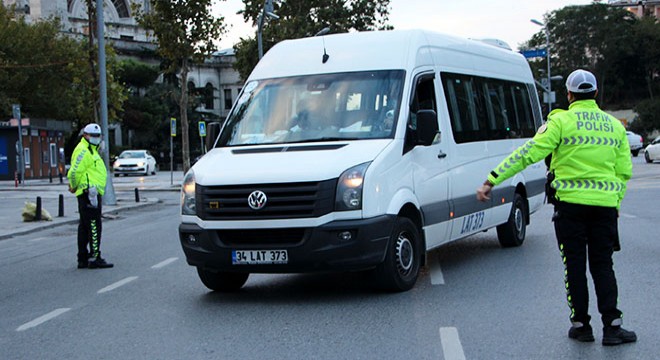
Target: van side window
[(483, 108), (423, 99)]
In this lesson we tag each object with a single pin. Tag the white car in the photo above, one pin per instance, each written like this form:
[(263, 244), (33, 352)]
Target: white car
[(135, 162), (635, 141), (652, 151)]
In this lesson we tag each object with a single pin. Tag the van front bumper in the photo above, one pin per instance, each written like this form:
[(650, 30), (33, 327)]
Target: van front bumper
[(321, 249)]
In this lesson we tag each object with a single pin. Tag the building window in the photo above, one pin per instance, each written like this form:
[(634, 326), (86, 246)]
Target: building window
[(26, 156), (53, 155), (228, 100), (122, 8), (208, 96)]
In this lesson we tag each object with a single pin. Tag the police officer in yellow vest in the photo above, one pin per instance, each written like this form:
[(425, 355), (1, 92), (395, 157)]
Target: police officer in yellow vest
[(591, 165), (87, 178)]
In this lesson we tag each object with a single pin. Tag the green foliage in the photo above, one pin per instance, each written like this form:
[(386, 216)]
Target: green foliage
[(136, 74), (48, 74), (185, 31), (302, 18), (647, 39), (649, 117), (621, 50)]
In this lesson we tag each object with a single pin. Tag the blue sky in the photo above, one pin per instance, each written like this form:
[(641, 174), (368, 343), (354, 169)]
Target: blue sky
[(506, 20)]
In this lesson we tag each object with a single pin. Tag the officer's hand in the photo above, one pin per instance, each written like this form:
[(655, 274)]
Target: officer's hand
[(72, 190), (483, 192)]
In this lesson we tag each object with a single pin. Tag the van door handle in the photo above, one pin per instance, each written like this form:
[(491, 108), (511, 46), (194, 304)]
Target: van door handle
[(442, 155)]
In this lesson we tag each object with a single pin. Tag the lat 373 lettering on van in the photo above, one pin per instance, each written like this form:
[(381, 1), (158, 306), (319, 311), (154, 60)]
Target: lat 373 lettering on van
[(472, 222)]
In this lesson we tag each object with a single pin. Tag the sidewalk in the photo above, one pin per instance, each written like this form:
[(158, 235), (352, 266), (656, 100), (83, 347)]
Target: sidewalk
[(13, 200)]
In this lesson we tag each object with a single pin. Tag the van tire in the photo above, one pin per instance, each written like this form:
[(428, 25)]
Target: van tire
[(403, 259), (635, 153), (512, 232), (222, 281)]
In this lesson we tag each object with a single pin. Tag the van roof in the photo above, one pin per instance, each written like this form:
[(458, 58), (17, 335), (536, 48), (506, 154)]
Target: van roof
[(396, 49)]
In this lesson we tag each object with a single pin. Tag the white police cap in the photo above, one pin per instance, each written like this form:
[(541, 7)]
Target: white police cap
[(92, 129), (581, 81)]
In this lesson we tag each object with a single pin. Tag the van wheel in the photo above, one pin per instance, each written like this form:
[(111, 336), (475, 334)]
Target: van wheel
[(635, 153), (403, 260), (647, 157), (222, 281), (512, 233)]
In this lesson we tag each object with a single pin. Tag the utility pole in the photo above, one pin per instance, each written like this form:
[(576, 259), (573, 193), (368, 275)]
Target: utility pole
[(266, 13), (549, 94), (109, 196), (16, 109)]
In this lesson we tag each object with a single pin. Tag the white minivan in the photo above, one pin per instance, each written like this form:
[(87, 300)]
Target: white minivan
[(362, 151)]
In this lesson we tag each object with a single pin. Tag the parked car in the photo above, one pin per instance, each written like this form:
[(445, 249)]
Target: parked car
[(635, 141), (652, 151), (135, 162)]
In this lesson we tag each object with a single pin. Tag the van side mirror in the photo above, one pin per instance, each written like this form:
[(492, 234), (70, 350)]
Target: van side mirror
[(427, 127), (212, 132)]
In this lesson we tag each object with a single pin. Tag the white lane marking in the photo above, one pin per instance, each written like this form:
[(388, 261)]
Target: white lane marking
[(117, 284), (436, 272), (627, 216), (451, 344), (37, 239), (165, 263), (42, 319)]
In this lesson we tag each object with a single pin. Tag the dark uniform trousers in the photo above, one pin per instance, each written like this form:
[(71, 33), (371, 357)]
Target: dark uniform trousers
[(583, 232), (89, 228)]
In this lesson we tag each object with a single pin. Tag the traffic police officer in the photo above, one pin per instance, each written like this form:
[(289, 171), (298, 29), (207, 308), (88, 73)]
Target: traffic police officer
[(591, 165), (87, 178)]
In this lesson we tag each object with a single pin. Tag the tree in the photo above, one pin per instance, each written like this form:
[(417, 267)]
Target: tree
[(647, 35), (185, 31), (599, 38), (46, 73), (649, 117), (302, 18), (137, 75)]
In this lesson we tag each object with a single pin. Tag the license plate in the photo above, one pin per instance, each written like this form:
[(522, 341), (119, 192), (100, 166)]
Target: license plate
[(259, 257)]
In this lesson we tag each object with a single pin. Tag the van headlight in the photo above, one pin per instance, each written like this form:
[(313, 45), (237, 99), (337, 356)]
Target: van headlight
[(349, 188), (188, 194)]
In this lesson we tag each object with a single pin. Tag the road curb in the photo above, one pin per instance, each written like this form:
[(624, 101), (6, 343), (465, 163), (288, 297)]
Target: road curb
[(42, 225)]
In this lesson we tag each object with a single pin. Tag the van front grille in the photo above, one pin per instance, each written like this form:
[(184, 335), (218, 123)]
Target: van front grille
[(284, 201)]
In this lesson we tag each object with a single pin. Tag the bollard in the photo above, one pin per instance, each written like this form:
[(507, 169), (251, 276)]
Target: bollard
[(37, 214), (60, 207), (50, 177), (61, 180), (137, 195), (16, 179)]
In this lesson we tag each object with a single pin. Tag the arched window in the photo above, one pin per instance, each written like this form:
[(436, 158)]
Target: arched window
[(122, 8), (192, 89), (120, 5), (208, 96)]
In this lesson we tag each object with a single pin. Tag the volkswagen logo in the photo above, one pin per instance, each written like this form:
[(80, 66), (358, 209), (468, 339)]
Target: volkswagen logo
[(257, 200)]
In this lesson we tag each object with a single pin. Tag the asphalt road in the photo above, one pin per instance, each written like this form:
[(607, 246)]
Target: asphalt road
[(474, 300)]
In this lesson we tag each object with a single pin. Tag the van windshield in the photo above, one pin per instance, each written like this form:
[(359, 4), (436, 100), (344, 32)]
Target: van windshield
[(330, 107)]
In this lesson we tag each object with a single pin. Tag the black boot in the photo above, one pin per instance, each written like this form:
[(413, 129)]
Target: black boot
[(99, 263), (582, 333), (616, 335)]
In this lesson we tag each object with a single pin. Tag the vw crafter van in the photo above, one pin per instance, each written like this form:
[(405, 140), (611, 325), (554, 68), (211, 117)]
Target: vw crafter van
[(362, 151)]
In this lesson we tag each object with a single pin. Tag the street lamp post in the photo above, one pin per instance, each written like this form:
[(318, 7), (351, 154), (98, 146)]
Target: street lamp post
[(548, 89), (267, 12)]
